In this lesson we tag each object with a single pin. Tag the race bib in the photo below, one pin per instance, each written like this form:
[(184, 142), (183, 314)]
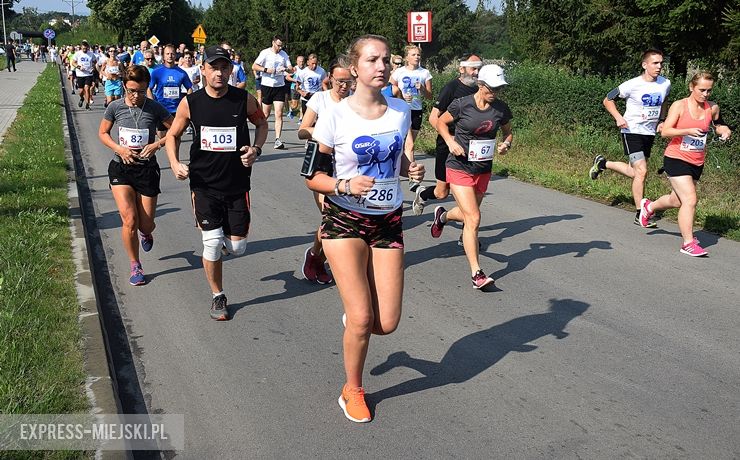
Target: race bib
[(214, 139), (481, 150), (171, 92), (694, 143), (650, 113), (135, 139), (382, 195)]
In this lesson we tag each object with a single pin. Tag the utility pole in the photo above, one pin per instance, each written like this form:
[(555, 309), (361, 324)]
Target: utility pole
[(5, 36), (72, 3)]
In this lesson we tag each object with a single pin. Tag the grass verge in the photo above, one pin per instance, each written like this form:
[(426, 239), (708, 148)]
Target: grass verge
[(41, 362), (548, 154)]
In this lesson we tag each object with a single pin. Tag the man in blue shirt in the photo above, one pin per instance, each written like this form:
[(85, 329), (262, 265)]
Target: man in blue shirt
[(138, 57), (166, 80)]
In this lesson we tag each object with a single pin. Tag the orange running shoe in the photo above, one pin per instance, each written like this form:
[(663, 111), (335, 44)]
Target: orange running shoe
[(352, 402)]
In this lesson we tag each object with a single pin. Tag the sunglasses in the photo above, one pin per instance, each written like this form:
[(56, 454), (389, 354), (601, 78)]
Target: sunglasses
[(398, 62), (132, 91), (342, 82)]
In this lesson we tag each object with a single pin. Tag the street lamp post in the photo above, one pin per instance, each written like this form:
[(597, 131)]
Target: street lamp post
[(5, 36)]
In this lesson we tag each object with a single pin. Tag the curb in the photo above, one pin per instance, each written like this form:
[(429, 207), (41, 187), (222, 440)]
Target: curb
[(101, 384)]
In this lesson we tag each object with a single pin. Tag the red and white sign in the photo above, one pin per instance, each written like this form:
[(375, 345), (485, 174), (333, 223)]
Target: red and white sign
[(419, 26)]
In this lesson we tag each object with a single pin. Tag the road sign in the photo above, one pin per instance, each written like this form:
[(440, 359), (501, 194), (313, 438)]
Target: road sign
[(419, 26), (15, 35), (199, 35), (49, 33), (153, 40)]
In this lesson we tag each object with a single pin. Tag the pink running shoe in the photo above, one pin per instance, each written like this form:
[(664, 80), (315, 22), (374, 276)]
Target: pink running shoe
[(645, 213), (693, 249)]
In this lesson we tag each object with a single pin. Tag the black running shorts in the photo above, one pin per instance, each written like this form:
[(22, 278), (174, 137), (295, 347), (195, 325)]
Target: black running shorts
[(276, 94), (674, 167), (215, 210), (143, 177), (84, 81), (633, 143)]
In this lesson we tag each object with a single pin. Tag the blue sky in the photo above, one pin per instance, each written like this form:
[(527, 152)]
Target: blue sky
[(81, 8)]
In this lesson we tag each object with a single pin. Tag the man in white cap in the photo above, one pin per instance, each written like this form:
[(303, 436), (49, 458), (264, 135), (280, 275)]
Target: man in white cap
[(462, 86)]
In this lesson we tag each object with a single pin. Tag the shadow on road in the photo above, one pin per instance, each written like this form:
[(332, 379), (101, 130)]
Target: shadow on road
[(294, 287), (451, 249), (112, 219), (475, 353), (519, 260)]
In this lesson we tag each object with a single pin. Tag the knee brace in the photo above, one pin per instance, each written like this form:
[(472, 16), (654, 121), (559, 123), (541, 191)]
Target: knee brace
[(237, 248), (635, 157), (213, 241)]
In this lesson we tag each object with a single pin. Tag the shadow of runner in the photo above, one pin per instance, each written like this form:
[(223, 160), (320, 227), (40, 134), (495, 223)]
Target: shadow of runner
[(294, 287), (519, 260), (475, 353)]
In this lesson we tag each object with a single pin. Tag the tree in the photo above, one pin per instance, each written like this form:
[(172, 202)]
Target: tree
[(139, 19)]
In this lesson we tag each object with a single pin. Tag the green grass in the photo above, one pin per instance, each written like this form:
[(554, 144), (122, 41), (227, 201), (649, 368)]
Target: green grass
[(3, 62), (41, 363)]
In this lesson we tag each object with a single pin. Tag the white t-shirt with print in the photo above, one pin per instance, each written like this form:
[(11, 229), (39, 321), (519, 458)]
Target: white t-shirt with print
[(407, 80), (644, 101), (367, 147), (85, 62), (311, 79), (269, 59)]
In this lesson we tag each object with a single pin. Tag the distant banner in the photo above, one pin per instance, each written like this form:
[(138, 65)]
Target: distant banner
[(92, 432)]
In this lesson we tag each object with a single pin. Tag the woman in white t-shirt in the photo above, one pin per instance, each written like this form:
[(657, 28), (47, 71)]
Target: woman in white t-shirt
[(413, 83), (361, 230), (320, 103)]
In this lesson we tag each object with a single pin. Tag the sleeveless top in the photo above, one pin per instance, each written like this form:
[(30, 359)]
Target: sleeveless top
[(219, 131), (690, 149)]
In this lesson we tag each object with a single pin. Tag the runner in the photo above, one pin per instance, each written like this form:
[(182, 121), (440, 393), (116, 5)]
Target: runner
[(643, 117), (71, 74), (192, 70), (138, 57), (221, 159), (413, 83), (257, 86), (166, 80), (149, 61), (273, 62), (477, 119), (321, 103), (361, 229), (134, 171), (83, 62), (464, 85), (295, 97), (111, 70), (396, 63), (688, 122), (308, 81)]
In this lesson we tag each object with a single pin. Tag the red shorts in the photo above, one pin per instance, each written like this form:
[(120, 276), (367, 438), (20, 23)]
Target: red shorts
[(478, 181)]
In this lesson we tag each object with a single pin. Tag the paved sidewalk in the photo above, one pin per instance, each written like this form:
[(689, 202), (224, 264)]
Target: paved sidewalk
[(13, 89)]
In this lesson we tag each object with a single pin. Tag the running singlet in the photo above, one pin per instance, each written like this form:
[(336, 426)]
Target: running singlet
[(321, 102), (165, 84), (219, 131), (85, 63), (367, 147), (407, 81), (644, 100), (138, 58), (137, 126), (690, 149), (271, 60), (473, 126), (311, 79)]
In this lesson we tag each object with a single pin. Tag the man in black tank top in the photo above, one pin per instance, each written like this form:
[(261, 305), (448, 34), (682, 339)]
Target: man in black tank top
[(221, 160)]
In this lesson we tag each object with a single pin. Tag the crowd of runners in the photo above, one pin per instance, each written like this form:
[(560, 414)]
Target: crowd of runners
[(359, 117)]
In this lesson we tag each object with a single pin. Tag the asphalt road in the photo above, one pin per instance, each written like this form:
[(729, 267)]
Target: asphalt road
[(601, 341)]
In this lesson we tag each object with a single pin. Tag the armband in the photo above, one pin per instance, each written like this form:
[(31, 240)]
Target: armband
[(719, 121), (256, 116), (325, 162), (613, 94)]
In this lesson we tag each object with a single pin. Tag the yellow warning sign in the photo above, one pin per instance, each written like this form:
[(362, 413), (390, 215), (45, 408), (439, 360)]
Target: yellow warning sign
[(154, 40), (199, 35)]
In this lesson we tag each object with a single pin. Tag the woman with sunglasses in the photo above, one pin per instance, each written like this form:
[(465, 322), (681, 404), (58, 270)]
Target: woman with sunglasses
[(320, 103), (134, 172), (477, 119), (688, 122), (111, 71)]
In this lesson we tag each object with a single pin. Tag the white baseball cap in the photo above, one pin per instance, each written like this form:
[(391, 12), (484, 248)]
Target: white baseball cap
[(492, 75)]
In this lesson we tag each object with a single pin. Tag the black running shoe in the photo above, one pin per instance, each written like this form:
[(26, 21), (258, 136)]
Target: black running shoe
[(596, 169), (79, 104), (219, 309)]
